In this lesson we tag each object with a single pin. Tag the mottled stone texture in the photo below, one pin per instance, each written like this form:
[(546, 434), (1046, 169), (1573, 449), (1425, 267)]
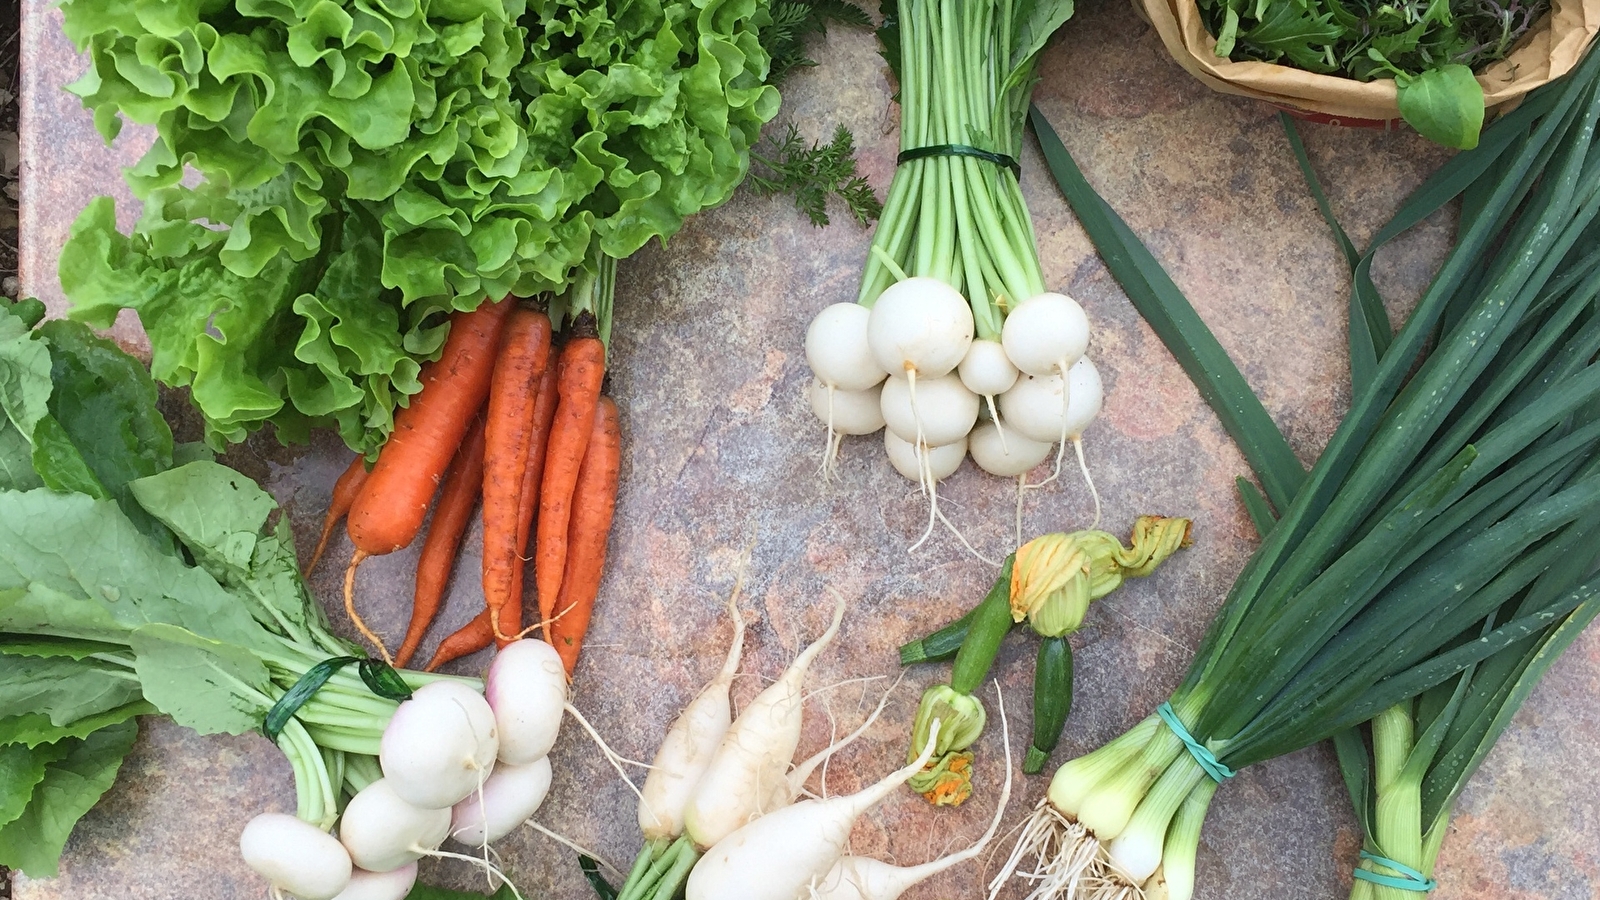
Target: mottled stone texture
[(722, 452)]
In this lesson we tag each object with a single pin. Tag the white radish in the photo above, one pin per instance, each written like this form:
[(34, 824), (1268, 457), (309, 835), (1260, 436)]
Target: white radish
[(439, 746), (383, 832), (936, 411), (1036, 407), (1007, 456), (837, 348), (864, 878), (755, 753), (920, 325), (846, 412), (986, 370), (942, 461), (778, 856), (527, 690), (1045, 334), (510, 796), (690, 744), (392, 885), (295, 856)]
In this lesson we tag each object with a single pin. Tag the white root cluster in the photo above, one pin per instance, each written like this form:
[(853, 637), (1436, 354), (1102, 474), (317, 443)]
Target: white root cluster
[(910, 365), (454, 764)]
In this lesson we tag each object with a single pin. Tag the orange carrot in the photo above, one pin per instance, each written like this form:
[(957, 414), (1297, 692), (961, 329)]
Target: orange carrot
[(344, 494), (470, 638), (544, 410), (593, 503), (451, 516), (578, 384), (388, 512), (524, 354)]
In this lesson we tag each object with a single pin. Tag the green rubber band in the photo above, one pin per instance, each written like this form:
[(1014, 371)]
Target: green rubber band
[(1412, 880), (379, 677), (999, 159), (1207, 760)]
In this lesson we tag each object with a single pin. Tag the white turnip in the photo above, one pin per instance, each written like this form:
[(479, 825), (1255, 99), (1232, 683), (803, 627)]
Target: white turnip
[(296, 857), (440, 745), (1045, 334), (510, 796), (382, 832), (392, 885), (837, 349), (941, 411), (920, 325), (526, 689), (941, 462)]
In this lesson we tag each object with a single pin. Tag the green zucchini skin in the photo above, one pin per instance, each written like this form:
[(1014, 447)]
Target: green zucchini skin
[(1052, 700), (991, 621), (941, 645)]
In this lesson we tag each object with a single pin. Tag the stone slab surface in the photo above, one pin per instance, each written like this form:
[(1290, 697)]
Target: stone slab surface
[(721, 454)]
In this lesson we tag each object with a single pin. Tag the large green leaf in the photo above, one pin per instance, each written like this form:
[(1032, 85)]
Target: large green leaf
[(72, 785), (36, 729), (65, 690), (210, 686), (1444, 105)]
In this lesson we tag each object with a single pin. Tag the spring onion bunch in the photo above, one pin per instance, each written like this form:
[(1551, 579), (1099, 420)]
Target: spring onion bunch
[(1423, 540)]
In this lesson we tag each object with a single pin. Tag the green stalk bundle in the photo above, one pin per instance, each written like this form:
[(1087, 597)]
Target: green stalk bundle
[(1436, 538), (966, 71)]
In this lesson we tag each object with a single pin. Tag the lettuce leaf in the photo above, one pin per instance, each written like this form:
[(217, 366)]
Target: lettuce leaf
[(368, 168)]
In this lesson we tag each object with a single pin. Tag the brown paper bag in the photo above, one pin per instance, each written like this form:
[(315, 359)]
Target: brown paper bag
[(1547, 51)]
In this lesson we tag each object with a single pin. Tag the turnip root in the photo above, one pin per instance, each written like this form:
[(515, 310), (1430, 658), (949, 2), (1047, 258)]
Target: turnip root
[(296, 857), (526, 689), (779, 855), (934, 464), (691, 742), (510, 796), (440, 745), (1045, 334), (920, 325), (844, 412), (755, 753), (392, 885), (941, 411), (837, 349), (382, 832)]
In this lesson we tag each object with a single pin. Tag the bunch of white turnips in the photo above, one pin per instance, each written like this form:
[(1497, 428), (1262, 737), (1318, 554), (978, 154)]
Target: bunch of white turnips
[(456, 764), (910, 362)]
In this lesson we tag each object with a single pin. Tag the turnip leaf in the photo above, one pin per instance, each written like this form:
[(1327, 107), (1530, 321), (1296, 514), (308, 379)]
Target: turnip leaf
[(72, 785)]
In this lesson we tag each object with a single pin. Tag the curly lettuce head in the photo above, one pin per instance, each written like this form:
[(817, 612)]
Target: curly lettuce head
[(367, 166)]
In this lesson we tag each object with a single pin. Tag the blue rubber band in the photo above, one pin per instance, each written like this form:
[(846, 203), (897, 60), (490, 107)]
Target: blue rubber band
[(1207, 760), (1412, 880)]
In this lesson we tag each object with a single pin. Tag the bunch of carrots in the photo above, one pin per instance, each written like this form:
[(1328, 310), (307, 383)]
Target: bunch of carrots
[(504, 415)]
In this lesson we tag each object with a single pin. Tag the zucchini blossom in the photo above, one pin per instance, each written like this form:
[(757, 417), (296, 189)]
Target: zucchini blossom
[(1057, 576)]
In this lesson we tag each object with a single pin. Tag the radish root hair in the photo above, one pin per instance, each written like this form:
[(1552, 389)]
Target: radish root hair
[(572, 845), (350, 607), (999, 429), (491, 871), (830, 451), (1077, 445)]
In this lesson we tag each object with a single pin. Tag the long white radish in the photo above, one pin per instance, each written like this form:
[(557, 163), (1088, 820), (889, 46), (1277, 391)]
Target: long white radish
[(439, 746), (295, 856), (510, 796), (920, 325), (1045, 334), (383, 832), (864, 878), (941, 411), (691, 742), (755, 753), (837, 348), (392, 885), (526, 687), (778, 856), (942, 461)]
